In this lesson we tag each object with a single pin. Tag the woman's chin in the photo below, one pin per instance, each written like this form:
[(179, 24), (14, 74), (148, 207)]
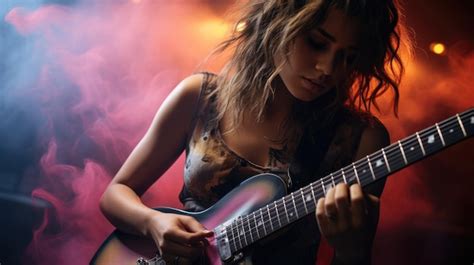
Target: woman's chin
[(305, 95)]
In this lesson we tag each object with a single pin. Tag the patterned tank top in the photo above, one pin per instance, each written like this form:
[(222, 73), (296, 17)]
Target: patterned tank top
[(212, 170)]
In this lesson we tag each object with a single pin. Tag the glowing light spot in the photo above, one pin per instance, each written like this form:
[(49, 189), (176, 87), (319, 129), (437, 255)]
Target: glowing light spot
[(438, 48), (241, 26), (212, 28)]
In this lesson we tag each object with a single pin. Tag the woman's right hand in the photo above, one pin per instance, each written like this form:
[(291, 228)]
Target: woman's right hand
[(180, 239)]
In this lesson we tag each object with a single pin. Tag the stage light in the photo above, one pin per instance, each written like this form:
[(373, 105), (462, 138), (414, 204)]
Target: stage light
[(437, 48)]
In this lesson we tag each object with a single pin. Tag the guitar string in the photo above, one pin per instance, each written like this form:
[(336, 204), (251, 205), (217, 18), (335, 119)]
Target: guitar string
[(351, 175), (379, 155), (299, 203), (301, 191)]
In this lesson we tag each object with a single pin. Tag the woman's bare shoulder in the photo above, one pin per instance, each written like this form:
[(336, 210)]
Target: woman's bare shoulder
[(189, 89), (181, 103), (165, 139)]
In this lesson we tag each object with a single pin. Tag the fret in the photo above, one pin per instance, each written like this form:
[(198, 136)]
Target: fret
[(256, 225), (451, 131), (290, 204), (468, 122), (263, 221), (371, 169), (237, 229), (314, 196), (344, 176), (332, 179), (338, 176), (393, 157), (283, 212), (249, 224), (365, 173), (286, 211), (307, 197), (403, 153), (247, 232), (277, 215), (270, 218), (241, 232), (386, 160), (431, 140), (440, 134), (412, 149), (304, 201), (356, 174), (232, 237), (294, 204), (379, 165), (461, 125), (421, 144), (322, 185)]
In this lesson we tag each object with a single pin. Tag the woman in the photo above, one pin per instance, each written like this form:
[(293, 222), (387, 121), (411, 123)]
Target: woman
[(294, 100)]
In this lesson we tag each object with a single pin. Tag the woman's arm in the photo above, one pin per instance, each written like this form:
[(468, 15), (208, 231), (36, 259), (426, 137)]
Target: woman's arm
[(160, 147), (347, 216)]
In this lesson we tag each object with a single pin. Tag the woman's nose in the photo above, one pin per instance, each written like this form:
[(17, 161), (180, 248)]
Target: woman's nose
[(325, 64)]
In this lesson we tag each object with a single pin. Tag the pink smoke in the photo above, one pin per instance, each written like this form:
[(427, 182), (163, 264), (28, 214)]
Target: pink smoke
[(115, 62)]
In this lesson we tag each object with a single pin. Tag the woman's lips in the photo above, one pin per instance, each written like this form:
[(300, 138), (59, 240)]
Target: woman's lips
[(311, 85)]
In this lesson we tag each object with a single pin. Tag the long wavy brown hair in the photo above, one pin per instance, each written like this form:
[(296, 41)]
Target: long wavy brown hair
[(267, 27)]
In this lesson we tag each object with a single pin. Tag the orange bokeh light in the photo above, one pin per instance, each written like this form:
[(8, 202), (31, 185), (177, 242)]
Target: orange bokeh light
[(437, 48)]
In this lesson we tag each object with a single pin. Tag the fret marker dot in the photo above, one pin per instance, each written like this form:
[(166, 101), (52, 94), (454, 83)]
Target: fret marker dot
[(472, 120), (431, 139), (291, 214), (412, 148), (241, 232), (308, 198), (260, 223), (378, 163), (451, 131), (363, 171)]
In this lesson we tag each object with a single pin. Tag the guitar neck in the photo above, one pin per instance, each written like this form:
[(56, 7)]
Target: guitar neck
[(250, 228)]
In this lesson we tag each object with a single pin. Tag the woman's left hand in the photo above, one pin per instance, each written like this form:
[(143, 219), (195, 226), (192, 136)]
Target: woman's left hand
[(347, 218)]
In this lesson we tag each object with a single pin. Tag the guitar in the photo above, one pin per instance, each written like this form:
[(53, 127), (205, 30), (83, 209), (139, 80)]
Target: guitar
[(259, 206)]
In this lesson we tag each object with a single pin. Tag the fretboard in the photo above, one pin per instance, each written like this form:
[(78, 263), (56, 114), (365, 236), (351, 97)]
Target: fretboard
[(249, 228)]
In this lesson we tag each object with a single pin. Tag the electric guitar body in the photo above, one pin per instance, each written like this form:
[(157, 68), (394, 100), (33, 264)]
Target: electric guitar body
[(250, 195)]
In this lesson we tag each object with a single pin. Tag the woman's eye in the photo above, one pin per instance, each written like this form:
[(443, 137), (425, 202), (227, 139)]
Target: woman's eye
[(316, 44)]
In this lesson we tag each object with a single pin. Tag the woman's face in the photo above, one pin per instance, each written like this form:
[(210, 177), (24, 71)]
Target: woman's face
[(321, 58)]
